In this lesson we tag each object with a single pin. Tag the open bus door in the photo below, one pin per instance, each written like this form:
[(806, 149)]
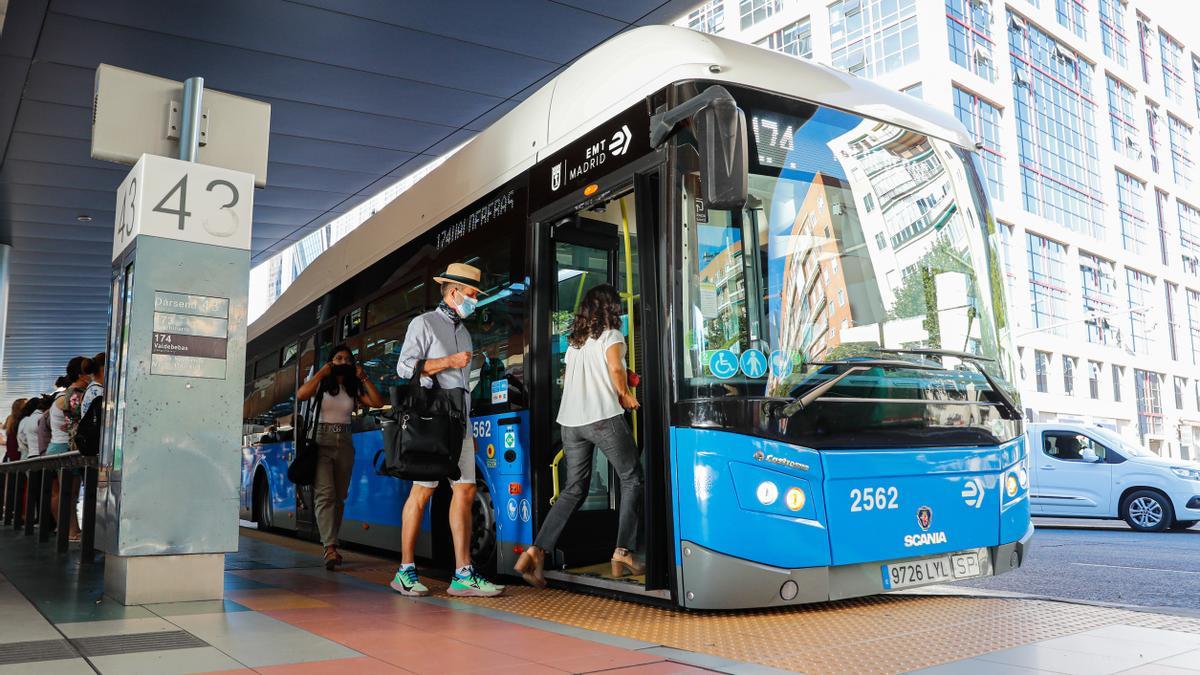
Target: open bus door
[(576, 251)]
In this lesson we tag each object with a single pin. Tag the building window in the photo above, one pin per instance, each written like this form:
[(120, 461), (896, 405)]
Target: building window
[(795, 39), (1068, 365), (708, 18), (914, 90), (1129, 207), (1189, 236), (1196, 81), (1141, 290), (1172, 67), (1112, 30), (982, 119), (1149, 402), (1047, 283), (753, 11), (1180, 385), (1172, 298), (1041, 369), (1193, 303), (1099, 297), (1160, 213), (1072, 14), (969, 23), (1120, 112), (873, 37), (1181, 158), (1056, 128), (1143, 26), (1117, 373), (1155, 133), (1094, 369)]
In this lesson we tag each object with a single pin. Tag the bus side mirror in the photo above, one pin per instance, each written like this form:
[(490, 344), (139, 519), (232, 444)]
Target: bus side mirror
[(720, 129)]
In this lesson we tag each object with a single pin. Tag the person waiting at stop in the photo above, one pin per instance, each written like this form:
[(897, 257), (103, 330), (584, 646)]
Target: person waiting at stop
[(12, 449), (343, 385), (65, 413), (592, 415)]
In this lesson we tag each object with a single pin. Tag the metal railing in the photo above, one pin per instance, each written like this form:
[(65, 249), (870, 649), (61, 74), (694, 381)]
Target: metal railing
[(31, 478)]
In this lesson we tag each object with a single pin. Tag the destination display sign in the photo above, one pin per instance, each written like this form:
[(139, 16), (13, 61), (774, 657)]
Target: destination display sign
[(191, 335), (605, 149)]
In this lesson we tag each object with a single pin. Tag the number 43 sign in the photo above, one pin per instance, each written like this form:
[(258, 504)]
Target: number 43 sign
[(174, 199)]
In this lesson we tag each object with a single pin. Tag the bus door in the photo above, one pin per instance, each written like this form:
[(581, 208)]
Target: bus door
[(579, 251), (314, 350)]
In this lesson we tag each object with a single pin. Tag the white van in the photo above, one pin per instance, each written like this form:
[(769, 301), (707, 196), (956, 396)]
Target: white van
[(1084, 471)]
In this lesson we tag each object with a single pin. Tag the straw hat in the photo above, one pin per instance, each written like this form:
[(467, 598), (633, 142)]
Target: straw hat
[(461, 273)]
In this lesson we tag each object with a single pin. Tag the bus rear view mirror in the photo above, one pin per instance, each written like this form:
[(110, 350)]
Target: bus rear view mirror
[(720, 129)]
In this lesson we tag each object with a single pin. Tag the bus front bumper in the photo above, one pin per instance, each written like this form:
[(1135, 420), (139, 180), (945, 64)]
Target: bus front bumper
[(712, 580)]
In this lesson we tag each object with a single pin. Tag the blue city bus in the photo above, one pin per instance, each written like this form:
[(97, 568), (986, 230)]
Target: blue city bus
[(815, 305)]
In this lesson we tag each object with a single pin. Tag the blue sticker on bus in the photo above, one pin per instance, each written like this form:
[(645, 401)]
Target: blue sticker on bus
[(524, 510), (512, 509), (499, 391), (723, 364), (781, 364), (754, 363)]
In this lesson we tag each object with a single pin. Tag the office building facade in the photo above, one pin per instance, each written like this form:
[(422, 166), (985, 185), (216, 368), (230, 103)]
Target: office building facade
[(1086, 115)]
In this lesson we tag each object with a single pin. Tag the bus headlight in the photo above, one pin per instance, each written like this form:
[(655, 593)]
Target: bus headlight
[(1023, 477), (767, 493), (1011, 485), (796, 499)]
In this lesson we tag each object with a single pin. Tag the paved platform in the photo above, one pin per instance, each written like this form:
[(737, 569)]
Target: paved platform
[(284, 613)]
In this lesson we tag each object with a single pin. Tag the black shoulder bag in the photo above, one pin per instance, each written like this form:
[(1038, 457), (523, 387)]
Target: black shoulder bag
[(303, 469), (423, 435)]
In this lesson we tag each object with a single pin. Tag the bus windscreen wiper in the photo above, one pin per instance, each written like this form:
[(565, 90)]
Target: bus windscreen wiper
[(856, 366), (1007, 405)]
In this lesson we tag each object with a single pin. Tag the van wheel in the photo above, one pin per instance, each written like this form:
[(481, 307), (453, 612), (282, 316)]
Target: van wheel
[(1183, 524), (1147, 511), (262, 503), (483, 530)]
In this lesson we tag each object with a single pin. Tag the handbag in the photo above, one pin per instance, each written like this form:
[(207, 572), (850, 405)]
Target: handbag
[(423, 435), (303, 469)]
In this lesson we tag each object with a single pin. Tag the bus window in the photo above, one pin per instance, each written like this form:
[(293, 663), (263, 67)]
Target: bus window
[(380, 351), (290, 352), (351, 323), (405, 300)]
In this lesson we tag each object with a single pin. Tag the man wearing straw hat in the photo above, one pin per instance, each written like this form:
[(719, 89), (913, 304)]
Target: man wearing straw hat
[(439, 337)]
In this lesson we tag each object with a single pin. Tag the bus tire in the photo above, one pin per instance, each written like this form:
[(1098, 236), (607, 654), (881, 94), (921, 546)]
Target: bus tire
[(1147, 511), (262, 502), (483, 529)]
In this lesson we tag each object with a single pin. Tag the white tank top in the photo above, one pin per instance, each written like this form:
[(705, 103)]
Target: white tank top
[(588, 392), (336, 409)]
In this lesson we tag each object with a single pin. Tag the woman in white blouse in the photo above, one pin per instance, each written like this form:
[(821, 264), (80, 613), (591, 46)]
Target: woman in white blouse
[(592, 415)]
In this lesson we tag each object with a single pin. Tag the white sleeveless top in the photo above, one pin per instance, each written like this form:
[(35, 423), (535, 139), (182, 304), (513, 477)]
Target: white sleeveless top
[(588, 392), (336, 409)]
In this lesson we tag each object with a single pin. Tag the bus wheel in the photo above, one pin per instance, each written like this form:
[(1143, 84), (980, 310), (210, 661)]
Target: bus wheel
[(1147, 511), (483, 529), (262, 503)]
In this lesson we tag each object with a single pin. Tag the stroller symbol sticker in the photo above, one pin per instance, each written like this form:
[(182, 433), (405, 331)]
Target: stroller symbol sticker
[(512, 509)]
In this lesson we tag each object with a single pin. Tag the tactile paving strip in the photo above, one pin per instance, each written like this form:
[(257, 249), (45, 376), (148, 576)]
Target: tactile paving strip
[(880, 634), (107, 645), (36, 650)]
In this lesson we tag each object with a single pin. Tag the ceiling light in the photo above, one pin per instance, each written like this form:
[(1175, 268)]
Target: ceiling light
[(85, 218)]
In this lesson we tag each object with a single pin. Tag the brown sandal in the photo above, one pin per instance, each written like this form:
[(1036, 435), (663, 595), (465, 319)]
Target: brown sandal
[(623, 564), (331, 558)]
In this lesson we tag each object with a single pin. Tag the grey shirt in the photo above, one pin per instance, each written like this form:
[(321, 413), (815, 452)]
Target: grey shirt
[(433, 335)]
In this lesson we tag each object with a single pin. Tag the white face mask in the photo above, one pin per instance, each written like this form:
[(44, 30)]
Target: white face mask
[(466, 307)]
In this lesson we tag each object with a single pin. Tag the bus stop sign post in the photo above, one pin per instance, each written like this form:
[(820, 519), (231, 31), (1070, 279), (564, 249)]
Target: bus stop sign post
[(167, 502)]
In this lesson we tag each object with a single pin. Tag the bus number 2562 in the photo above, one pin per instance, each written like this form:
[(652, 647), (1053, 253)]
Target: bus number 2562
[(874, 499)]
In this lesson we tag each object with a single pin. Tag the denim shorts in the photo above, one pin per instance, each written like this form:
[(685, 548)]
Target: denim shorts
[(57, 448)]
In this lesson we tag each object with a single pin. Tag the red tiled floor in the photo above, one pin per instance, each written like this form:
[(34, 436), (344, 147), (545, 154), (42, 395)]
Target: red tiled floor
[(602, 660), (663, 668), (347, 666)]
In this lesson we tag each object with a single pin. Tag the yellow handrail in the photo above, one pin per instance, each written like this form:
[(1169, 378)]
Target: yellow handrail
[(629, 340), (554, 475)]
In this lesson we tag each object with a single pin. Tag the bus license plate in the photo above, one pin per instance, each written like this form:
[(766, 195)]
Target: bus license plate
[(931, 570)]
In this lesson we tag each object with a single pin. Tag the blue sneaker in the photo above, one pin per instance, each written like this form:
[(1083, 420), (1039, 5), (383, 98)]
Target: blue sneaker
[(406, 582)]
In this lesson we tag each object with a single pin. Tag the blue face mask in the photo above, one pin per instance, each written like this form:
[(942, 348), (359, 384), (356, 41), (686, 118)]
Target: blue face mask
[(466, 307)]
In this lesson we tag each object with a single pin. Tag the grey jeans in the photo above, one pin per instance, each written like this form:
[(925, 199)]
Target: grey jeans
[(335, 463), (612, 437)]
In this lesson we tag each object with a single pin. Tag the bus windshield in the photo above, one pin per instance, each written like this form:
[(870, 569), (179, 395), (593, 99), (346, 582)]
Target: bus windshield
[(860, 285)]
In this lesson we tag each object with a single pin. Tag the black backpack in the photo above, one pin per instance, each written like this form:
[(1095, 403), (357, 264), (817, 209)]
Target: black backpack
[(87, 434)]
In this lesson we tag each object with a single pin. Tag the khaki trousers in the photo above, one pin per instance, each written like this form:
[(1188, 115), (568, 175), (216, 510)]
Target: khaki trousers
[(335, 461)]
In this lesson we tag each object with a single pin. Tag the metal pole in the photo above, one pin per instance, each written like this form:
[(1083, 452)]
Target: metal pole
[(189, 128), (88, 534)]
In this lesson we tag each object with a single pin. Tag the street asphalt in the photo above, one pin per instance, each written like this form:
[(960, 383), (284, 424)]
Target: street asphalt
[(1106, 562)]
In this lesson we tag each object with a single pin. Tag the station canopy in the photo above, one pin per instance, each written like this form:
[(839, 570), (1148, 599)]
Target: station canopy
[(362, 93)]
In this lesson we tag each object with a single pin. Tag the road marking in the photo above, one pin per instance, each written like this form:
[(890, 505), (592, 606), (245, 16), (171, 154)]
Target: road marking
[(1126, 567)]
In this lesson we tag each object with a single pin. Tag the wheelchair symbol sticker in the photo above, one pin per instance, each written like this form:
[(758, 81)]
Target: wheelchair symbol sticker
[(754, 363), (723, 364), (781, 364)]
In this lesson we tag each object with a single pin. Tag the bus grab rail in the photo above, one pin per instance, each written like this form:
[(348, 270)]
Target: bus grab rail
[(32, 476)]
